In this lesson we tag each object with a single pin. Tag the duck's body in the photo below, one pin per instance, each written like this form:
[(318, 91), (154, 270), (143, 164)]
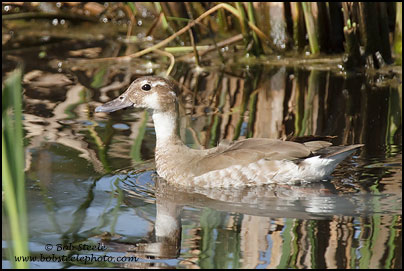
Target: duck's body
[(253, 161)]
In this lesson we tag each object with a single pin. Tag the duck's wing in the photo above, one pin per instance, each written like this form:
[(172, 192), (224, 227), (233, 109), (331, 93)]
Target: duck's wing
[(303, 139), (288, 148), (246, 151)]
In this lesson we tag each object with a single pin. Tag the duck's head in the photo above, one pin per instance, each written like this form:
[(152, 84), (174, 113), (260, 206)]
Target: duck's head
[(149, 92)]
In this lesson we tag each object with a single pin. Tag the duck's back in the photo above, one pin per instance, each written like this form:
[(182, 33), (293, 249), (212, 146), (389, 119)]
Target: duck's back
[(247, 151)]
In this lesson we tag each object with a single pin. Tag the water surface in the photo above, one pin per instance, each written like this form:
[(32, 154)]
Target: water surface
[(91, 177)]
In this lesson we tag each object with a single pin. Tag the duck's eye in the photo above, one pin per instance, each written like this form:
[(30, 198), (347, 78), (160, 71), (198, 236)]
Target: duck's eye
[(146, 87)]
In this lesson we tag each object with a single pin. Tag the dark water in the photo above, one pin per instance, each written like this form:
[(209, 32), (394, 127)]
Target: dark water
[(91, 180)]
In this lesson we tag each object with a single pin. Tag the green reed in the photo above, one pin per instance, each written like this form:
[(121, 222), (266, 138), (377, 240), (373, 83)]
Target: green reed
[(398, 36), (311, 28), (251, 17), (299, 30), (13, 169)]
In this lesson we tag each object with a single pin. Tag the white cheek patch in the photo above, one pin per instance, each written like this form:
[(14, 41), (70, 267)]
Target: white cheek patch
[(152, 101)]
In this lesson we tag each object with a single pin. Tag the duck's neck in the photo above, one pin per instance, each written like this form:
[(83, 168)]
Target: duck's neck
[(172, 156), (166, 126)]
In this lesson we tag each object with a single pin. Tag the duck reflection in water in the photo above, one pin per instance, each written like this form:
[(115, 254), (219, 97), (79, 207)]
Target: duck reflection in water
[(319, 201)]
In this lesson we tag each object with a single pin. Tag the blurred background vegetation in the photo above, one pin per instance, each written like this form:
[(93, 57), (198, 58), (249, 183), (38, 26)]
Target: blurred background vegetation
[(366, 34)]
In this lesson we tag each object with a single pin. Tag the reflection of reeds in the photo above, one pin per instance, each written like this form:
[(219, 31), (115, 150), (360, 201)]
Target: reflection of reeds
[(264, 106), (393, 115), (221, 249), (310, 115), (137, 143), (13, 170)]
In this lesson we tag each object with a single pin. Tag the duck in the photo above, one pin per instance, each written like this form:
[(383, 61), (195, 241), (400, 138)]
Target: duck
[(245, 162)]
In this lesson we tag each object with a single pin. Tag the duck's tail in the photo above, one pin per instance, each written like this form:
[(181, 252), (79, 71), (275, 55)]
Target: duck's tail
[(338, 153), (324, 161)]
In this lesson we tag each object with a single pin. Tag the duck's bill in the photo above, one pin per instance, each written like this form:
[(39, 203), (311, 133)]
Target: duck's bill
[(114, 105)]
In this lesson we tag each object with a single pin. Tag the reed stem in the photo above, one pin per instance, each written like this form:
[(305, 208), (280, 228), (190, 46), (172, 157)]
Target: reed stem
[(384, 32), (13, 169), (251, 18), (398, 42), (191, 36), (352, 58), (299, 30), (310, 26)]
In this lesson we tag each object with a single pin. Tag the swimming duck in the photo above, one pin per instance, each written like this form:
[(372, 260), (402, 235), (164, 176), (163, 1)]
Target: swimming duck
[(246, 162)]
